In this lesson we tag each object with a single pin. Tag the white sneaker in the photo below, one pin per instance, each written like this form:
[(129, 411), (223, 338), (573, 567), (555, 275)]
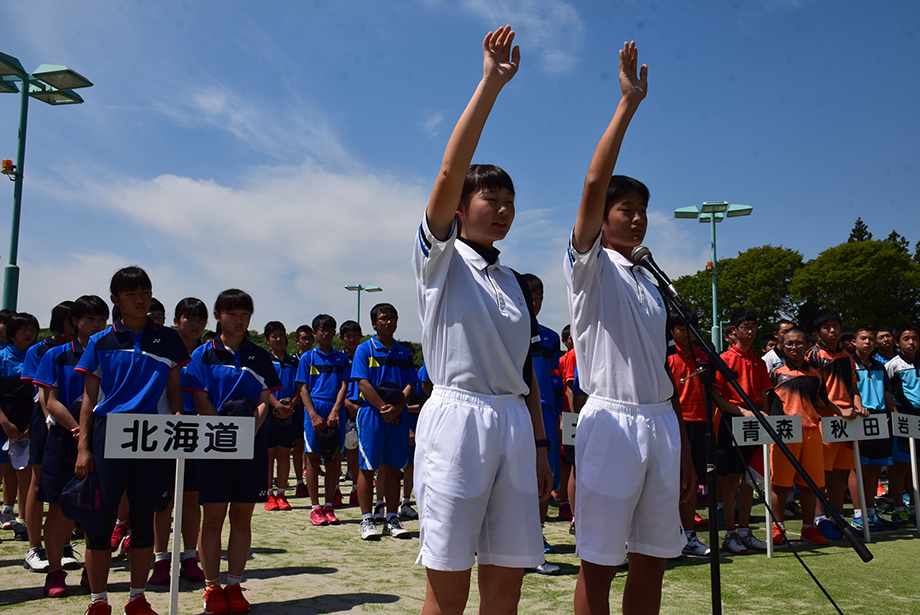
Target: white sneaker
[(406, 511), (6, 520), (733, 544), (69, 559), (380, 513), (752, 542), (36, 560), (369, 530), (394, 528), (547, 568), (695, 547)]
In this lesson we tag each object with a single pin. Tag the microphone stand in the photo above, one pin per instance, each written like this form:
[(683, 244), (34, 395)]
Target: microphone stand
[(716, 362)]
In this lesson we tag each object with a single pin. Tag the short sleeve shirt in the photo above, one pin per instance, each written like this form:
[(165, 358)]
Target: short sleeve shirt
[(838, 369), (545, 363), (691, 393), (377, 364), (133, 368), (34, 357), (57, 371), (752, 376), (16, 395), (905, 383), (286, 369), (228, 376), (872, 383), (323, 374), (799, 392), (618, 327)]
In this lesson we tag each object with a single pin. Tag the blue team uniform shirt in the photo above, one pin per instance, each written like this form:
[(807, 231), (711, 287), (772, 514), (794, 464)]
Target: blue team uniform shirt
[(352, 392), (133, 368), (545, 363), (905, 383), (17, 397), (227, 376), (872, 383), (323, 374), (57, 370), (374, 363), (34, 356), (286, 369)]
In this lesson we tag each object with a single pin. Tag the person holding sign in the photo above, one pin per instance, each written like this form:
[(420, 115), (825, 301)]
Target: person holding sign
[(132, 367), (230, 376), (905, 388), (799, 391)]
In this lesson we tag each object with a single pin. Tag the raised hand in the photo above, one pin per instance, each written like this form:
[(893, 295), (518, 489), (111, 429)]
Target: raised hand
[(633, 86), (500, 59)]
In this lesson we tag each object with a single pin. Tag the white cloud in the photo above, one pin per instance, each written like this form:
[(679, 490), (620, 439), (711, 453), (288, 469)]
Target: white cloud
[(432, 123)]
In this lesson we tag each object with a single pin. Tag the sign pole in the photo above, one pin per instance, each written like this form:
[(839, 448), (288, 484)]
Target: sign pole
[(862, 491), (913, 474), (177, 537), (768, 495)]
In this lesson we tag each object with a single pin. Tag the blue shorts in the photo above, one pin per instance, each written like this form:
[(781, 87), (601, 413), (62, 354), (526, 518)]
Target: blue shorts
[(380, 442), (323, 408), (38, 433), (57, 464), (413, 427), (550, 425), (235, 480), (900, 450), (149, 482)]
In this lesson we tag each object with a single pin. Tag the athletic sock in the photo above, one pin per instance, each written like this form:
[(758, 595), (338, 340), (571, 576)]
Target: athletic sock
[(234, 580), (104, 596), (189, 553), (299, 482), (688, 534), (134, 593), (367, 516), (391, 516), (857, 513), (281, 491), (743, 531), (405, 501), (159, 556), (121, 522), (211, 582), (820, 518)]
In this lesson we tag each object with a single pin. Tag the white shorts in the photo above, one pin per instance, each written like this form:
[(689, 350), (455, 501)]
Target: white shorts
[(476, 482), (627, 481)]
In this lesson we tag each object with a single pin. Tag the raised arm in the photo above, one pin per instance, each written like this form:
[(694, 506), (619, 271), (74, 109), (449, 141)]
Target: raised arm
[(591, 211), (500, 63)]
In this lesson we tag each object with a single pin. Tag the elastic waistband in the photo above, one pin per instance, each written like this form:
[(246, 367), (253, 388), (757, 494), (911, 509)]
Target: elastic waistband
[(625, 407), (497, 402)]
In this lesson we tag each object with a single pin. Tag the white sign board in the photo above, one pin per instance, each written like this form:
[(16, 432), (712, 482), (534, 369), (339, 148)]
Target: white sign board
[(839, 429), (905, 425), (569, 423), (171, 436), (749, 432)]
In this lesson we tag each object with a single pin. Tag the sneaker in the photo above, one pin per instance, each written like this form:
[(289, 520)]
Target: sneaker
[(20, 531), (827, 529), (392, 527), (698, 521), (877, 524), (271, 503), (118, 535), (624, 566), (548, 548), (69, 559), (695, 547), (190, 568), (282, 502), (369, 530), (547, 568), (36, 560), (139, 606), (793, 509), (317, 517), (215, 603), (353, 498), (733, 544), (160, 574), (572, 528), (126, 545), (813, 535), (380, 512), (6, 521), (406, 511), (337, 499), (99, 607), (565, 511), (329, 514), (777, 536), (78, 533), (300, 491), (753, 543), (347, 477), (906, 498), (857, 524), (903, 518), (55, 586), (721, 515), (235, 601)]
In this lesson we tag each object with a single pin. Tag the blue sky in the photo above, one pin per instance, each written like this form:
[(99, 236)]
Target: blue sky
[(288, 148)]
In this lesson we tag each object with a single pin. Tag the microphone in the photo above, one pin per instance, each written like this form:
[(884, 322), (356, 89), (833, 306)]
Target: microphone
[(642, 256)]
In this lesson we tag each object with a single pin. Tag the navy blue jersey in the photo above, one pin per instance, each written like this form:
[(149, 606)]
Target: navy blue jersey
[(34, 357), (374, 363), (545, 363), (227, 376), (286, 369), (57, 371), (133, 368), (323, 374), (16, 396)]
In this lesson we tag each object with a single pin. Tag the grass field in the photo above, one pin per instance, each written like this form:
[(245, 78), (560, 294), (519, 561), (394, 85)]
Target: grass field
[(296, 568)]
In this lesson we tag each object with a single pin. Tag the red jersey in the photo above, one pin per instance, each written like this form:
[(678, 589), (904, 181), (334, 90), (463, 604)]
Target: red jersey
[(691, 393), (838, 371), (567, 371), (752, 376)]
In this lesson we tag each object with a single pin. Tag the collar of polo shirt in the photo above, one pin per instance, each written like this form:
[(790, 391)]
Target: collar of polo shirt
[(487, 256)]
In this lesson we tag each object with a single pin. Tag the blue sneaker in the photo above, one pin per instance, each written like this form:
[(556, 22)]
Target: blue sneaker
[(721, 515), (857, 524), (548, 548), (829, 530)]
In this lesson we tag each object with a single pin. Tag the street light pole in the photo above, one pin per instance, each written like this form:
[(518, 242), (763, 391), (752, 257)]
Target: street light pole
[(358, 288), (11, 271)]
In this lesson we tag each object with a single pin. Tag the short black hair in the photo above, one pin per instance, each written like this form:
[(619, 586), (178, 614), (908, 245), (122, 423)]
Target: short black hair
[(900, 330), (272, 326), (208, 336), (17, 322), (620, 186), (348, 326), (88, 305), (566, 332), (303, 329), (797, 329), (191, 307), (156, 306), (741, 315), (116, 313), (779, 324), (533, 282), (847, 335), (485, 177), (765, 340), (5, 316), (824, 316), (130, 278), (233, 299), (383, 308), (676, 319), (881, 328), (859, 330), (59, 315), (323, 321)]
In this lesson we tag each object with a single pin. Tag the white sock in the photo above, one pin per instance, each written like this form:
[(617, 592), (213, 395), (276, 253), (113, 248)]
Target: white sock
[(7, 510), (104, 596), (134, 593), (189, 553), (820, 518), (857, 513), (743, 531), (232, 580), (121, 522), (688, 534), (281, 490), (299, 482), (212, 581), (159, 556)]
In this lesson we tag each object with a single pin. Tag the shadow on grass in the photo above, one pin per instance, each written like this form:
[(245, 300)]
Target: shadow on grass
[(326, 603), (271, 573)]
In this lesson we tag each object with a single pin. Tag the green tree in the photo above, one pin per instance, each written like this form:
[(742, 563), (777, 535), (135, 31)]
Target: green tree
[(860, 232), (869, 282), (899, 240)]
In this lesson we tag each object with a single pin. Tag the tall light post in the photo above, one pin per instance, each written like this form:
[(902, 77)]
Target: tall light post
[(359, 288), (52, 84), (712, 212)]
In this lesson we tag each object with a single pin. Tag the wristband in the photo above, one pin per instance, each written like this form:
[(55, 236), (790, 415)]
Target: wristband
[(544, 443)]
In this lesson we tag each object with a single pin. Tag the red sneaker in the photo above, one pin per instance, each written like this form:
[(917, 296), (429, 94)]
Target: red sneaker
[(337, 500), (272, 503), (317, 517), (353, 498), (190, 568), (698, 521), (813, 535), (235, 600), (215, 602), (282, 503), (118, 535), (160, 574), (300, 491), (55, 586), (126, 545), (329, 513), (777, 536), (99, 607), (565, 511), (139, 606)]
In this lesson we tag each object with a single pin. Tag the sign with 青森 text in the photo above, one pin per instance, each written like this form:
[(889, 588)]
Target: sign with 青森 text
[(749, 432)]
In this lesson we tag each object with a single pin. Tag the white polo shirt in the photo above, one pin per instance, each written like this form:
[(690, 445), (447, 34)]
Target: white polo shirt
[(476, 326), (618, 327)]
